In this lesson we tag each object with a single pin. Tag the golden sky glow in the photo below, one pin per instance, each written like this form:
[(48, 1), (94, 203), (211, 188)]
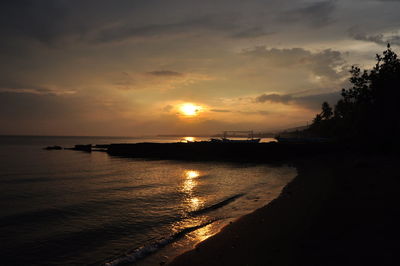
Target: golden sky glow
[(137, 68)]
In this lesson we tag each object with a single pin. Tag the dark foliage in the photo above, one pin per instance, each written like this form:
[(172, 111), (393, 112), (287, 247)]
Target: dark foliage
[(367, 110)]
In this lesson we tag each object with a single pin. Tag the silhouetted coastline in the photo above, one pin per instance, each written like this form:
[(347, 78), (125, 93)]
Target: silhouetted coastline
[(317, 215), (208, 151), (339, 186), (337, 211)]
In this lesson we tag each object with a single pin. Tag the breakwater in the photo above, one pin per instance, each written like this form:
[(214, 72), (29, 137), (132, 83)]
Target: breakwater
[(254, 152)]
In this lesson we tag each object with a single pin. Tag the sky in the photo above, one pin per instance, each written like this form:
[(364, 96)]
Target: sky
[(131, 67)]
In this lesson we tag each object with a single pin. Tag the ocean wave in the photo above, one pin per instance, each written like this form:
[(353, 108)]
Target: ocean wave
[(217, 205), (146, 250), (149, 249)]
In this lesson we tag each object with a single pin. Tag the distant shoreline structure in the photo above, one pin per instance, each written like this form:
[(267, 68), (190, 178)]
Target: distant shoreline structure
[(258, 134)]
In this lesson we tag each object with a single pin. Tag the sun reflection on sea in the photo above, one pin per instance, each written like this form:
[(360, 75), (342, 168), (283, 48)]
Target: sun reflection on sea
[(190, 182), (189, 185), (198, 235), (190, 174), (195, 203), (191, 201), (202, 233)]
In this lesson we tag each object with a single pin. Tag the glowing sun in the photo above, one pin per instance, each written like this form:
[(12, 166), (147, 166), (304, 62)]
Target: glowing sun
[(190, 109)]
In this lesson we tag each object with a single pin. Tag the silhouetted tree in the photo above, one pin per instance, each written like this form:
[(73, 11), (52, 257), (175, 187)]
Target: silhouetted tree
[(326, 111), (369, 109), (317, 119), (321, 124)]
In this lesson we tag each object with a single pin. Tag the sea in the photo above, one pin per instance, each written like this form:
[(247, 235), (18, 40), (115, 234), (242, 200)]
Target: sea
[(64, 207)]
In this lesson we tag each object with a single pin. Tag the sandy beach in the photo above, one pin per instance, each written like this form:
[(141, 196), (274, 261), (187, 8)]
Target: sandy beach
[(337, 211)]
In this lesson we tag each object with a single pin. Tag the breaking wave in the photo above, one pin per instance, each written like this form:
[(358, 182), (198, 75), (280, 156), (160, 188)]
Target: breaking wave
[(146, 250)]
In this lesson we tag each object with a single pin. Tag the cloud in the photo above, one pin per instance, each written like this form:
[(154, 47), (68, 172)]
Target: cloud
[(125, 81), (220, 110), (151, 80), (276, 54), (263, 113), (123, 32), (380, 39), (315, 101), (167, 73), (16, 87), (312, 102), (41, 20), (328, 65), (76, 114), (101, 21), (273, 97), (167, 108), (49, 21), (37, 106), (252, 32), (317, 14)]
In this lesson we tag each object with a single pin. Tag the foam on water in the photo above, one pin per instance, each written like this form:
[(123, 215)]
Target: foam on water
[(217, 205), (146, 250)]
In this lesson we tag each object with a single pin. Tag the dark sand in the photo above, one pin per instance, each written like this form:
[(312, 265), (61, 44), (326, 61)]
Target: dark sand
[(337, 211)]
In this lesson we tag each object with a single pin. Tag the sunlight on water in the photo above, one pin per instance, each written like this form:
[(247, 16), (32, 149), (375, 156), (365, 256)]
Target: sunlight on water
[(191, 202), (195, 203), (202, 233), (190, 174), (95, 207), (189, 185)]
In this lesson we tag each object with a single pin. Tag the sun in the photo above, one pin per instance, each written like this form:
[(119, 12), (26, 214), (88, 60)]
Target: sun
[(190, 109)]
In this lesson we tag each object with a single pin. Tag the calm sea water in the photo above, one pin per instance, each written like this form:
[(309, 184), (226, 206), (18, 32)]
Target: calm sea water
[(75, 208)]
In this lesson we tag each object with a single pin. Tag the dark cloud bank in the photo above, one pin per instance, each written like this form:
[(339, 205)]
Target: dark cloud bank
[(312, 102)]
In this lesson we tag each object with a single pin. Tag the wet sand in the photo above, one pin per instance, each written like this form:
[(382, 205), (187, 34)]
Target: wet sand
[(337, 211)]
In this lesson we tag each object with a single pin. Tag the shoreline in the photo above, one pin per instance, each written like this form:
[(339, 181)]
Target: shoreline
[(330, 214), (322, 217)]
